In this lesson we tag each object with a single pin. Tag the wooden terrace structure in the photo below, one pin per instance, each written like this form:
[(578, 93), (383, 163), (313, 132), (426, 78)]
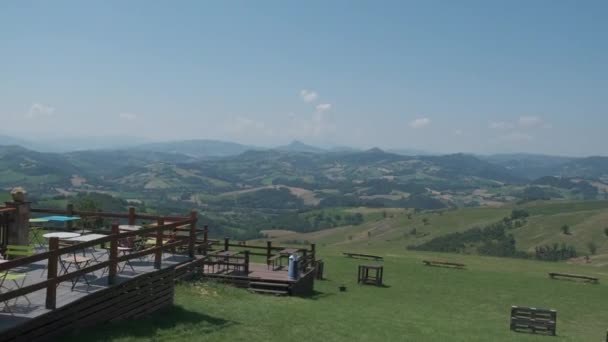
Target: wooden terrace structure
[(118, 285)]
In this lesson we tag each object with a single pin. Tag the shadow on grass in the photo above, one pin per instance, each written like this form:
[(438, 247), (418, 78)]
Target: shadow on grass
[(316, 295), (148, 328)]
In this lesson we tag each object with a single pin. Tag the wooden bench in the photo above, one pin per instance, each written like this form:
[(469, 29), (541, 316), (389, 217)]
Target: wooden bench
[(357, 255), (533, 319), (574, 276), (273, 261), (443, 263)]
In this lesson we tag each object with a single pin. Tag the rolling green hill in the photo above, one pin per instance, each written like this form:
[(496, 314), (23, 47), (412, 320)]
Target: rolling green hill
[(417, 303)]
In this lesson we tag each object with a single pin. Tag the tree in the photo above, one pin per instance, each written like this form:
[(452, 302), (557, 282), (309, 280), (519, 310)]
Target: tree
[(606, 231), (425, 221), (592, 247), (566, 229), (519, 213), (413, 231), (409, 217)]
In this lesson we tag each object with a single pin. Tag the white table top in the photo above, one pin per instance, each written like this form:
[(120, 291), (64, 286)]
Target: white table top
[(2, 260), (61, 235), (87, 238), (128, 227)]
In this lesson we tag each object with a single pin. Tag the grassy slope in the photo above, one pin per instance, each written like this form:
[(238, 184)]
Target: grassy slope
[(419, 303)]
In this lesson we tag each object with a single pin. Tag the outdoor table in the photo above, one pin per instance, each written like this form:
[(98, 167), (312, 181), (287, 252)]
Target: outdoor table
[(225, 257), (87, 238), (129, 227), (288, 251), (285, 253), (61, 235)]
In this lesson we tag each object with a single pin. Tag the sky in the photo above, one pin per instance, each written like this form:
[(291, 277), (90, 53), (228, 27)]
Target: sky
[(440, 76)]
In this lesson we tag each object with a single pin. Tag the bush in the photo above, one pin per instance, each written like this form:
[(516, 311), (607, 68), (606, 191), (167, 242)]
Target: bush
[(592, 247), (606, 231), (566, 229), (519, 213)]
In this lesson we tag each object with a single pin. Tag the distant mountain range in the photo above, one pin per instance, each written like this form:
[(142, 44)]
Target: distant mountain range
[(197, 148), (208, 169)]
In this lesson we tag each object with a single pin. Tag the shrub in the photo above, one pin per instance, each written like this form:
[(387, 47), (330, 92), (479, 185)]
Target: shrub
[(566, 229), (592, 247), (519, 213)]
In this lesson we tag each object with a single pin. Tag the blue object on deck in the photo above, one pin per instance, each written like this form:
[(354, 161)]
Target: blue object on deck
[(56, 218), (294, 270)]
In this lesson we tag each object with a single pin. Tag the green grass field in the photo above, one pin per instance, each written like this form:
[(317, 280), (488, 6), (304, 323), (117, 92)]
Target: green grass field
[(418, 303)]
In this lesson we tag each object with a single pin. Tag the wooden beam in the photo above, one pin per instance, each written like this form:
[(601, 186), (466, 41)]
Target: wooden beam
[(131, 216), (192, 238), (113, 255), (51, 288), (158, 256)]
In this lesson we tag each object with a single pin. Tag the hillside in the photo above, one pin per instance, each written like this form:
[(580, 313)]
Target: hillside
[(393, 230), (257, 186), (416, 303), (201, 148)]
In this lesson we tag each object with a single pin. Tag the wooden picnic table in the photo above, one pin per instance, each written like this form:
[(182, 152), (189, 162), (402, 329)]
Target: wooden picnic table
[(288, 251), (284, 253), (222, 258)]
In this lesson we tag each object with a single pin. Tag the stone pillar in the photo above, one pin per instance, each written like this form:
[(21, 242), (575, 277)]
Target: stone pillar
[(19, 225)]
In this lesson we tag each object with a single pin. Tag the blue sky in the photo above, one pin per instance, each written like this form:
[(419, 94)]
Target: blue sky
[(444, 76)]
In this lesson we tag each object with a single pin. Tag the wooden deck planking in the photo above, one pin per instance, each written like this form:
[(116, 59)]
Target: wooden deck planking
[(36, 272), (256, 271)]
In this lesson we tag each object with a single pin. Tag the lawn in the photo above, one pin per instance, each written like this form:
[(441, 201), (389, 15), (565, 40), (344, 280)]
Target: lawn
[(419, 303)]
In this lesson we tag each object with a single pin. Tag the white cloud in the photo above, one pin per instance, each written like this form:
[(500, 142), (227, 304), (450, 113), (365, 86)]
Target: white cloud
[(323, 107), (38, 109), (308, 95), (529, 121), (420, 123), (128, 116), (501, 125)]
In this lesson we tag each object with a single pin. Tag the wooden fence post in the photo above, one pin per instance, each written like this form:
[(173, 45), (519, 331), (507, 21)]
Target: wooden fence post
[(131, 216), (268, 249), (51, 288), (69, 212), (226, 243), (192, 239), (313, 252), (205, 239), (113, 267), (158, 255), (246, 262), (304, 259)]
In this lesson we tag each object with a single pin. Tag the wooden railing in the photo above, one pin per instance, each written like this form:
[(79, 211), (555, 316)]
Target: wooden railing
[(53, 255), (307, 255)]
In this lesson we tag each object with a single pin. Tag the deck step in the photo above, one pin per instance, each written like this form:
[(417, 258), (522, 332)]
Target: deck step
[(263, 284), (265, 291)]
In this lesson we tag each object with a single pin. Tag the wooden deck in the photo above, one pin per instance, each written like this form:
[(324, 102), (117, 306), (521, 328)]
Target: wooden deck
[(22, 311), (256, 272)]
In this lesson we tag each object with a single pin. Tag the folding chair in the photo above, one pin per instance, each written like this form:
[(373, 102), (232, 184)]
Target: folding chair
[(19, 250), (78, 261), (36, 238), (14, 277)]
